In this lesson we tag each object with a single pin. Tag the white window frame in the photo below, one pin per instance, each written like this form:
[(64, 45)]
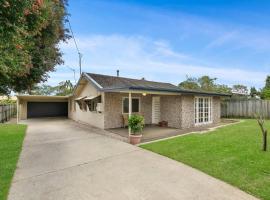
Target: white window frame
[(196, 110), (123, 98)]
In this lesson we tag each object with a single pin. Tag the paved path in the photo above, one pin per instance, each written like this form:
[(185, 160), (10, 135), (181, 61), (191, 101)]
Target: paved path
[(64, 161)]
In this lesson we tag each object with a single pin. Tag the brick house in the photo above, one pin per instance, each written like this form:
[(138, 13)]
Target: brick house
[(103, 101)]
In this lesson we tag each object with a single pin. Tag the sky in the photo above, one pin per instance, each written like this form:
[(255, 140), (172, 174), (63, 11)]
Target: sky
[(169, 40)]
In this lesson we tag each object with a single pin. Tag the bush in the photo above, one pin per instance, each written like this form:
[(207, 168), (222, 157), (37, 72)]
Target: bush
[(7, 101), (136, 124)]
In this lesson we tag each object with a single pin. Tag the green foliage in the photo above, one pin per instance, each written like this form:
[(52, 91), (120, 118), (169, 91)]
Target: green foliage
[(62, 89), (267, 82), (253, 92), (136, 124), (222, 88), (265, 94), (11, 139), (204, 83), (240, 89), (232, 154), (190, 83), (43, 90), (7, 101), (29, 34)]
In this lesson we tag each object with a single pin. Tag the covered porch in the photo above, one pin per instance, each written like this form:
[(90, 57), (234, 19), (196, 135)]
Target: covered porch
[(154, 132), (155, 107)]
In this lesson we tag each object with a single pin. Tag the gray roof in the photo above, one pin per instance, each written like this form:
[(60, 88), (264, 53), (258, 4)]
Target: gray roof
[(114, 83)]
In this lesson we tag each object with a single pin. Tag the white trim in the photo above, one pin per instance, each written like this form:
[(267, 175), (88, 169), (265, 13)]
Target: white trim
[(79, 98), (126, 97), (90, 97), (196, 110), (153, 109)]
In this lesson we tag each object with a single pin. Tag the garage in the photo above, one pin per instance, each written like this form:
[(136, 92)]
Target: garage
[(47, 109), (38, 106)]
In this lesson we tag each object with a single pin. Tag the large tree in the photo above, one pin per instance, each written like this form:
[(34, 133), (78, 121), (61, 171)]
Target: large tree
[(30, 32), (265, 93), (204, 83), (62, 89), (190, 83)]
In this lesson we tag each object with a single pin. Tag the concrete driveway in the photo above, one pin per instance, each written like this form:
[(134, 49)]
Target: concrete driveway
[(66, 161)]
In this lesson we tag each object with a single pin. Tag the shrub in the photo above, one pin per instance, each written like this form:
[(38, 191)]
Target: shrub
[(136, 124)]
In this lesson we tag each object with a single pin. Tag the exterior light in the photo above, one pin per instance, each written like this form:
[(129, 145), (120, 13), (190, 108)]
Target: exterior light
[(144, 94)]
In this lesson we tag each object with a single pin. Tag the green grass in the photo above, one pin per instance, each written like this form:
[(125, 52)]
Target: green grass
[(11, 138), (232, 154)]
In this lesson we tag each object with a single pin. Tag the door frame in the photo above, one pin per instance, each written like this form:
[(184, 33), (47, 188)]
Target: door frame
[(153, 108)]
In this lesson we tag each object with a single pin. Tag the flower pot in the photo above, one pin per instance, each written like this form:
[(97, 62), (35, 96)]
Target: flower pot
[(135, 139)]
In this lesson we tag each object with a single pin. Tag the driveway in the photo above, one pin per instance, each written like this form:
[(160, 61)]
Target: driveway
[(62, 160)]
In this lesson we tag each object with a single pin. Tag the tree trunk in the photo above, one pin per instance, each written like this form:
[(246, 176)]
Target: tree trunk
[(265, 140)]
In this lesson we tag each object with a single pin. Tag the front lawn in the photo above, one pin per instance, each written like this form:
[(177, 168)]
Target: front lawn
[(11, 139), (231, 153)]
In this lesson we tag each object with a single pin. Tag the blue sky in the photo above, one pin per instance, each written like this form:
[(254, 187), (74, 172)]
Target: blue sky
[(168, 40)]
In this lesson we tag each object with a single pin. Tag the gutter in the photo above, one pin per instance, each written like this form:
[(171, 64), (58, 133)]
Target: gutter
[(176, 91)]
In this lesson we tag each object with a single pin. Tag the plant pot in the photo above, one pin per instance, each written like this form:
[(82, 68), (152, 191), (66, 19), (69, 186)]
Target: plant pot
[(135, 139)]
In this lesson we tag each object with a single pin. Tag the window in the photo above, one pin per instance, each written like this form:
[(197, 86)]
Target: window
[(92, 103), (203, 110), (135, 105)]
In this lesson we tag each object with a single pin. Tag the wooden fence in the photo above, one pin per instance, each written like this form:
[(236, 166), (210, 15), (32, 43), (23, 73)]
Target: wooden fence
[(7, 112), (245, 108)]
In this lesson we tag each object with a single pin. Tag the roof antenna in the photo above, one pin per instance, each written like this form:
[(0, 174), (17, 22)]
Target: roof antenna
[(79, 53), (117, 72)]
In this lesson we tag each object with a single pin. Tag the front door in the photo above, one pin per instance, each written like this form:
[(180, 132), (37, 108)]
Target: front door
[(155, 110)]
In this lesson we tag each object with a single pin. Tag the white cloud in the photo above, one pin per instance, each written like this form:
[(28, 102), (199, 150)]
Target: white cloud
[(138, 57)]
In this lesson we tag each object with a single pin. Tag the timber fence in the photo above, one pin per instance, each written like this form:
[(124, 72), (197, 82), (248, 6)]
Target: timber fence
[(245, 108), (7, 112)]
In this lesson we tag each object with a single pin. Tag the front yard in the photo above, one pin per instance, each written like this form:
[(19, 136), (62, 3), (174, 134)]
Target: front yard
[(232, 154), (11, 139)]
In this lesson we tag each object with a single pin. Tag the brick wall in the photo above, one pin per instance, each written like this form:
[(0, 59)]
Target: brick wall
[(170, 110), (187, 111)]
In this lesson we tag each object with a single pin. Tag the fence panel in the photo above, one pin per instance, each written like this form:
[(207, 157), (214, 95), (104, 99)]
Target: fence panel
[(245, 108), (7, 112)]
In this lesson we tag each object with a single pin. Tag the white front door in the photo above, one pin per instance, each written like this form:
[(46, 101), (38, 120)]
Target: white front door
[(155, 110)]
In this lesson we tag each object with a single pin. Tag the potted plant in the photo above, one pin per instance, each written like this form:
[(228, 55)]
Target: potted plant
[(136, 124)]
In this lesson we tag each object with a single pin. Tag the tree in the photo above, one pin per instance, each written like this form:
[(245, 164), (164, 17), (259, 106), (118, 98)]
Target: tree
[(265, 93), (29, 31), (43, 90), (253, 92), (64, 88), (260, 120), (267, 82), (206, 83), (240, 89), (223, 89), (190, 83)]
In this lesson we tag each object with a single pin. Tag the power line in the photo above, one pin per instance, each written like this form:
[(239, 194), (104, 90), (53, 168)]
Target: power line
[(79, 53)]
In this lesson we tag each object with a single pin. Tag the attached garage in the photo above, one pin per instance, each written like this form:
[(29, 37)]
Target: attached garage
[(47, 109), (37, 106)]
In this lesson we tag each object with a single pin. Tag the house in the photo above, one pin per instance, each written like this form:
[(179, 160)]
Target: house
[(104, 101)]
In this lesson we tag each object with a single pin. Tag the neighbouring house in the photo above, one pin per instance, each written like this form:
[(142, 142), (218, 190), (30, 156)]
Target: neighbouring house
[(106, 102)]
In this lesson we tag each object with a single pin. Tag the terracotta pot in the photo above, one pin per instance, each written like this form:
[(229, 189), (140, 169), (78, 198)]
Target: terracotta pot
[(135, 139)]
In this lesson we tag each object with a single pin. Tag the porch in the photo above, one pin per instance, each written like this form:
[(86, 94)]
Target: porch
[(154, 132)]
